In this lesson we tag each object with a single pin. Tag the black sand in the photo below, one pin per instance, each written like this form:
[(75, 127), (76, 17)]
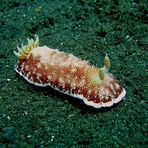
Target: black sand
[(41, 117)]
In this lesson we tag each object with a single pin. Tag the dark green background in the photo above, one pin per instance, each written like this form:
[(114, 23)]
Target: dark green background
[(41, 117)]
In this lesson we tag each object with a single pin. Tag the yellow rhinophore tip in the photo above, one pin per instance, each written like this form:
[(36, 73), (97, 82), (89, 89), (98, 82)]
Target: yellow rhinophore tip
[(106, 62), (101, 74), (24, 50)]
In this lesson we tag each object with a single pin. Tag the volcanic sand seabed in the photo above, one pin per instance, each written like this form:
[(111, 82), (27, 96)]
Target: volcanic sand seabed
[(32, 116)]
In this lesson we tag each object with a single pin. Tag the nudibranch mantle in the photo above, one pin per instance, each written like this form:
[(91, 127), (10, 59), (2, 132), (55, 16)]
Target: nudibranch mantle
[(43, 66)]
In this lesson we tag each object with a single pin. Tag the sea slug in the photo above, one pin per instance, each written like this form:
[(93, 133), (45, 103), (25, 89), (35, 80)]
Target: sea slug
[(43, 66)]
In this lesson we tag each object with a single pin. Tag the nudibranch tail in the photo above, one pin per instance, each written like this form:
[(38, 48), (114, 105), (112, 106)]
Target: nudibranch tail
[(25, 49), (44, 66)]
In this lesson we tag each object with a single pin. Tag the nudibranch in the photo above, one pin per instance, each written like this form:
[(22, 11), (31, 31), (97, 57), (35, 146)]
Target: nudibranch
[(43, 66)]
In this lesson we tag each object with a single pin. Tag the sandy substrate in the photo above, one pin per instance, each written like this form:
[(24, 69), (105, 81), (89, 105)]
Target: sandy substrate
[(38, 117)]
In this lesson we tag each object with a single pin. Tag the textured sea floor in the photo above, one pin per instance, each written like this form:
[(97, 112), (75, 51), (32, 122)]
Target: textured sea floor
[(35, 117)]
